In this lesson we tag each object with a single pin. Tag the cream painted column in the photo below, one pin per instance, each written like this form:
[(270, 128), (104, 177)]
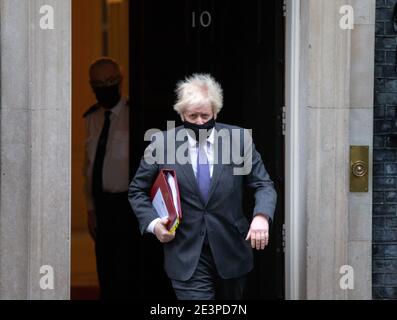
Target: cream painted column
[(35, 115), (320, 116), (361, 133), (336, 67), (327, 51)]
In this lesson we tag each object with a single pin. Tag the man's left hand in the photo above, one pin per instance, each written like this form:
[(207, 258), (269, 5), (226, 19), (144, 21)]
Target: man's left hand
[(259, 232)]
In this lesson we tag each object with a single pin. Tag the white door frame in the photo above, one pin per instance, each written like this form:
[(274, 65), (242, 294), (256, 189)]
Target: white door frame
[(294, 213)]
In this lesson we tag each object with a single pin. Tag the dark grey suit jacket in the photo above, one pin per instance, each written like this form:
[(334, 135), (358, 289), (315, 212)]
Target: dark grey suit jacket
[(222, 216)]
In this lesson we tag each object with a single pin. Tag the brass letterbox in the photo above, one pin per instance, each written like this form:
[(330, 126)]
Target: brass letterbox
[(359, 168)]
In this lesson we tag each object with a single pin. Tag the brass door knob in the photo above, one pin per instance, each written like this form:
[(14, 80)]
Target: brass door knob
[(359, 169)]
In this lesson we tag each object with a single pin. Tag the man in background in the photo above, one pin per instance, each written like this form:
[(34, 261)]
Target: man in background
[(111, 221)]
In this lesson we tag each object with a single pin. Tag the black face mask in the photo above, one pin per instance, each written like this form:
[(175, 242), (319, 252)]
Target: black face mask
[(208, 126), (108, 97)]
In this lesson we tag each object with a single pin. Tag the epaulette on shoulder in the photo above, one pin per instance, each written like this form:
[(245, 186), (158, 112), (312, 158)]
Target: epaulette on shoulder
[(92, 109)]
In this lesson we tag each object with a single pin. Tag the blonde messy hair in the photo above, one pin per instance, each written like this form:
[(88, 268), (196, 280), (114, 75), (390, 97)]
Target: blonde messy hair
[(198, 89)]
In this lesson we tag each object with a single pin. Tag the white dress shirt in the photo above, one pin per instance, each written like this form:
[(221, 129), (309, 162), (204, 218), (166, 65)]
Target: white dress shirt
[(116, 162), (193, 150)]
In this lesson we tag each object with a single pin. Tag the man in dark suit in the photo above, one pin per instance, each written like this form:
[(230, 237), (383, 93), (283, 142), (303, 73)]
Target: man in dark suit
[(210, 254)]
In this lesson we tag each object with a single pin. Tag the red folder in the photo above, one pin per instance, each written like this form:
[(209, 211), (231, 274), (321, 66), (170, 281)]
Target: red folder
[(165, 198)]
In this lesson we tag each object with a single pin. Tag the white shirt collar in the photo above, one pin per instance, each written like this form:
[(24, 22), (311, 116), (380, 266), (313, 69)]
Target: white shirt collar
[(210, 139), (116, 110)]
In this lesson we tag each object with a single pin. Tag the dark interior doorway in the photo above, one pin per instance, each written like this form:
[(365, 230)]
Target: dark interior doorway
[(241, 43)]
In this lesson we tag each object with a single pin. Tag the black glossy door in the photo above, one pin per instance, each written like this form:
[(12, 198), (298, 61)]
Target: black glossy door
[(241, 43)]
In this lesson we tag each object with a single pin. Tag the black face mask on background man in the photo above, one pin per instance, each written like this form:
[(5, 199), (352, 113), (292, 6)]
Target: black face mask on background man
[(108, 96), (208, 126)]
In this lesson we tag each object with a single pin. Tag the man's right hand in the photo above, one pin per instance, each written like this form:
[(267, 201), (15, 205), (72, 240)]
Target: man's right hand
[(161, 232), (92, 225)]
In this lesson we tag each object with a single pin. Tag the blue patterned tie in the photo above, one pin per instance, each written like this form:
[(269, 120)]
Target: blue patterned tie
[(203, 172)]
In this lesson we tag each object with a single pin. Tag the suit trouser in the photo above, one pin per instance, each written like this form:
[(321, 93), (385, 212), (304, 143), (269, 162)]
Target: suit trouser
[(116, 247), (206, 284)]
